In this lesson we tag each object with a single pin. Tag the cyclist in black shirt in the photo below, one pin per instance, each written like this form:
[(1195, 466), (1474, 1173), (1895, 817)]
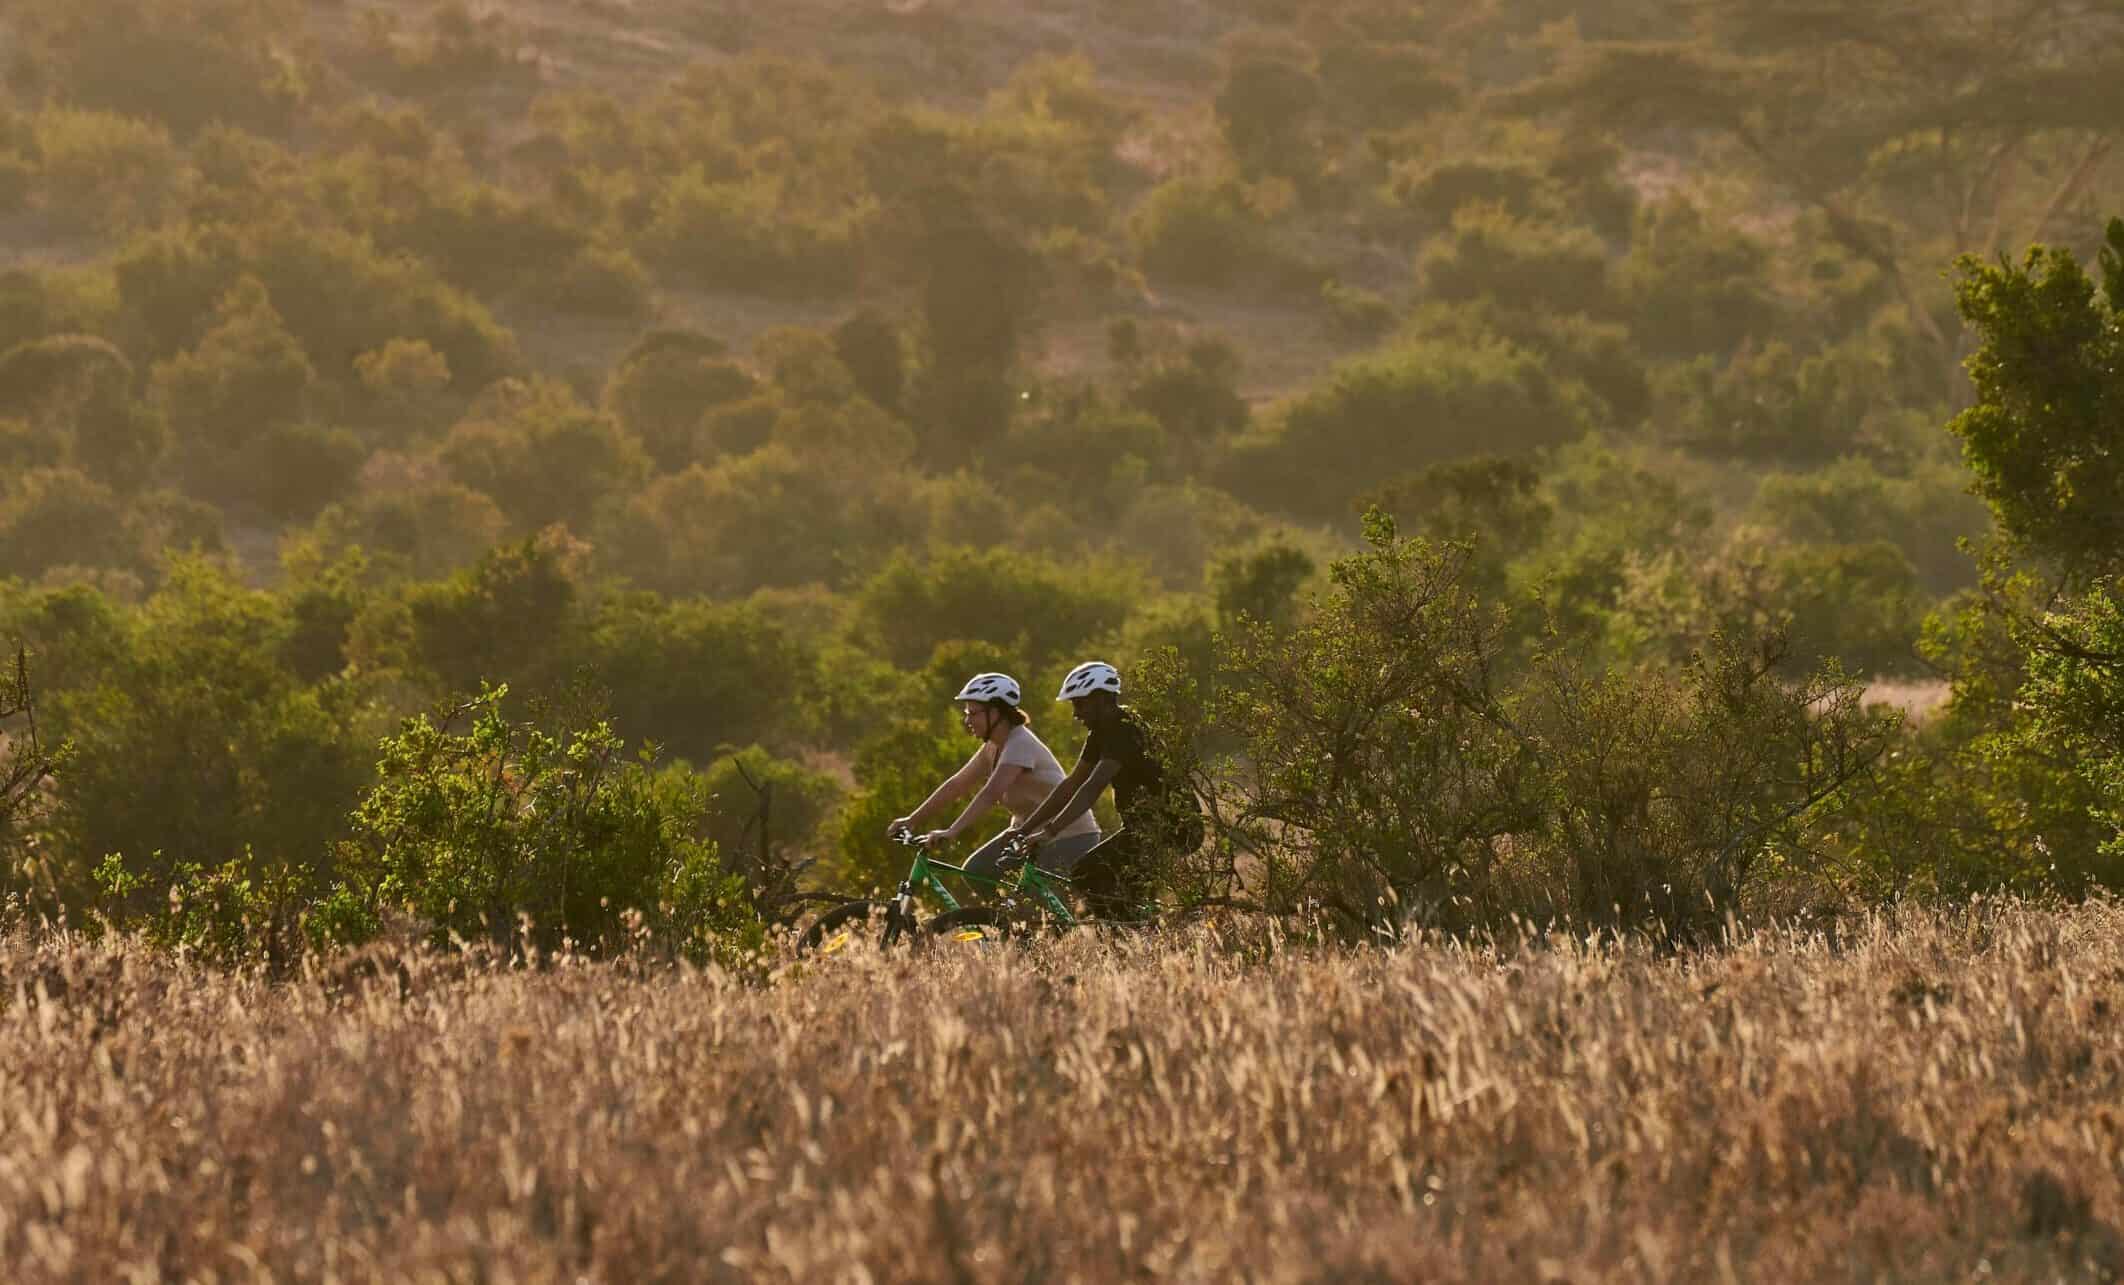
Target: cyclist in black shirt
[(1159, 818)]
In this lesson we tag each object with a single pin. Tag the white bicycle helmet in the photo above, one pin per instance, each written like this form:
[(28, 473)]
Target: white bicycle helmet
[(991, 687), (1091, 676)]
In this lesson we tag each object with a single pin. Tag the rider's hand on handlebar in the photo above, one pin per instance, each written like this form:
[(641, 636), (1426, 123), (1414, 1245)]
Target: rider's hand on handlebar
[(935, 838), (899, 826)]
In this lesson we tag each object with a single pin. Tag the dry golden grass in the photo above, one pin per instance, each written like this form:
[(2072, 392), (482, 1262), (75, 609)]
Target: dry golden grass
[(1927, 1101)]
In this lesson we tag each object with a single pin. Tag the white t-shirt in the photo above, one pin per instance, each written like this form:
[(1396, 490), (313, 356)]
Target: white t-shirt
[(1042, 774)]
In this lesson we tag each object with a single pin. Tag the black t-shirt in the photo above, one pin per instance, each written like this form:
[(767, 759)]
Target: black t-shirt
[(1140, 787)]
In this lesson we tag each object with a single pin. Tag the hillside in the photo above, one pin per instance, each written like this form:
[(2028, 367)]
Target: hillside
[(710, 388)]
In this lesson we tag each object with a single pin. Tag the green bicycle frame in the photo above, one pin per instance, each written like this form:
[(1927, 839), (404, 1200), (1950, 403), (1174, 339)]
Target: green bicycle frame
[(1028, 879)]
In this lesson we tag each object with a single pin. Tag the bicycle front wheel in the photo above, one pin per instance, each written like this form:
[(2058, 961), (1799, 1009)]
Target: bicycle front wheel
[(841, 926), (969, 926)]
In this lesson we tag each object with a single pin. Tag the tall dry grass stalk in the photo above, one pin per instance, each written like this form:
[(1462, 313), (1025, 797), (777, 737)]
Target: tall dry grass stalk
[(1928, 1100)]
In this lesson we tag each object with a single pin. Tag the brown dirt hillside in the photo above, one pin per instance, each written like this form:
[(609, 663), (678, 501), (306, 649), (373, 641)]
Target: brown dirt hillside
[(950, 53)]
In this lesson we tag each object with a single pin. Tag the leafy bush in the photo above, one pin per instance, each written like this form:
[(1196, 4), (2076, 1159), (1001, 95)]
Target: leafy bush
[(875, 354), (602, 282), (333, 290), (228, 61), (1196, 231), (698, 677), (1693, 286), (1038, 608), (1670, 799), (1193, 393), (59, 517), (475, 830), (1384, 766), (1519, 262), (777, 516), (510, 614), (403, 384), (1357, 313), (197, 745), (110, 171), (404, 514), (661, 394), (543, 456), (247, 379), (1441, 190), (1396, 411), (78, 392), (738, 235)]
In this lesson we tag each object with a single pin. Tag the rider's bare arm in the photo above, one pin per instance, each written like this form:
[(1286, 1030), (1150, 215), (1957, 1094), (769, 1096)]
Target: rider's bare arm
[(999, 783), (1086, 794), (955, 787)]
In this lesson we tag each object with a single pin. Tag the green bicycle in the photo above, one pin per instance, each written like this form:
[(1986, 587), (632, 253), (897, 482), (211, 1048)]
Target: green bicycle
[(1023, 892)]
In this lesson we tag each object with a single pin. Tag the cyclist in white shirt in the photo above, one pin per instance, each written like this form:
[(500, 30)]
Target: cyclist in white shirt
[(1012, 767)]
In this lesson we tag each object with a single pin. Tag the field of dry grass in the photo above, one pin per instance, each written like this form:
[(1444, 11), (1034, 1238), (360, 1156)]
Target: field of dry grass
[(1933, 1100)]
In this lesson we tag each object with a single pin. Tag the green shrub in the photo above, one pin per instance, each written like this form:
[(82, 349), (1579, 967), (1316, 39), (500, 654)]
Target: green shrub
[(1040, 609), (660, 395), (1515, 185), (1378, 762), (776, 516), (227, 61), (513, 613), (403, 384), (738, 235), (1355, 313), (1779, 403), (247, 380), (25, 446), (199, 746), (874, 353), (110, 171), (1693, 286), (489, 241), (492, 830), (333, 290), (78, 392), (1085, 444), (602, 282), (1927, 514), (429, 527), (1396, 411), (752, 787), (59, 517), (543, 456), (1196, 232), (224, 914), (697, 677), (1519, 262), (1192, 393)]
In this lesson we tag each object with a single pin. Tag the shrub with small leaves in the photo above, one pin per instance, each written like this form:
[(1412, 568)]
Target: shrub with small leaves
[(490, 828)]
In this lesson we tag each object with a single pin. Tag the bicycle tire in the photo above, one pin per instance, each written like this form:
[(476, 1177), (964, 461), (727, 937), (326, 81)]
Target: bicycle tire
[(833, 931), (969, 925)]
